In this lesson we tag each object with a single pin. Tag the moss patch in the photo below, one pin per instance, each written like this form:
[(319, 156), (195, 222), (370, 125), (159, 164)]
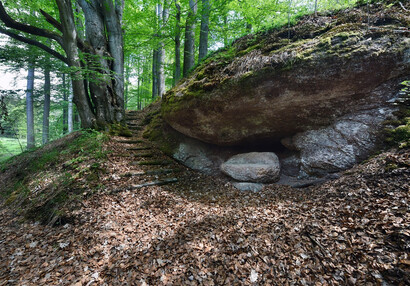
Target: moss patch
[(158, 131), (119, 129)]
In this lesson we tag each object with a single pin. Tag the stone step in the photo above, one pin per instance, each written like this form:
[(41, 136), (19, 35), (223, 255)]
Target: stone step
[(148, 184)]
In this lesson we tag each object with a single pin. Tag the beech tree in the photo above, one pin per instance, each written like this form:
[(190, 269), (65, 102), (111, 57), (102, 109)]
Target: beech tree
[(96, 63)]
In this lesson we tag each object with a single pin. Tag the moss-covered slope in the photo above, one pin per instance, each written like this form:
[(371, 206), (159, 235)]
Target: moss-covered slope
[(40, 184)]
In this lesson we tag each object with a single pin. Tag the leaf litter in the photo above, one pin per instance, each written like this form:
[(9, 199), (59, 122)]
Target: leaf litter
[(202, 231)]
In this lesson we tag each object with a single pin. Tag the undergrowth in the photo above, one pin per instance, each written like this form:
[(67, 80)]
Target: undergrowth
[(41, 183)]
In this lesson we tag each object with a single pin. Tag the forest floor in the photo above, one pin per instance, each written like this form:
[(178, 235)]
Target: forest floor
[(200, 230)]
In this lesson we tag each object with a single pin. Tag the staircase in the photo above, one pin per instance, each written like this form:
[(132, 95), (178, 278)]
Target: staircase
[(152, 167)]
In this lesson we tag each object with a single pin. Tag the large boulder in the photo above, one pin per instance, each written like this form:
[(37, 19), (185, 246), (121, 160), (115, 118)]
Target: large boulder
[(266, 87), (258, 167), (200, 156), (339, 146)]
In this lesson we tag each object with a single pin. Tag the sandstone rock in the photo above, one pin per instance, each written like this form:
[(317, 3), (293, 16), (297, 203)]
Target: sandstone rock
[(253, 187), (308, 84), (258, 167)]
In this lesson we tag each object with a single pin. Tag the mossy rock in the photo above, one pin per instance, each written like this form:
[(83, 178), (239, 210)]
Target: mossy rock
[(289, 85)]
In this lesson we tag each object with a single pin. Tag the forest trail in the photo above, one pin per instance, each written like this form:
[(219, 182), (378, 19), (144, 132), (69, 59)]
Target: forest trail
[(155, 222)]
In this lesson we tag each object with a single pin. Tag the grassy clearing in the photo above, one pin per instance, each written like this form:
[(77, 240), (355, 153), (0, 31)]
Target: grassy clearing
[(10, 147), (40, 183)]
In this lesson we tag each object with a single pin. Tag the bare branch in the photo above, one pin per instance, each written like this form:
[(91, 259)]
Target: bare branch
[(34, 43), (11, 23)]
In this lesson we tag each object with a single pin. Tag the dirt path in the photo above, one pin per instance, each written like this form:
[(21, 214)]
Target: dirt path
[(199, 230)]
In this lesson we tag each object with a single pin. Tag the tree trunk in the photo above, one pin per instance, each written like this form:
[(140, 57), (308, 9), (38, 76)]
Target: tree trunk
[(157, 60), (189, 47), (177, 74), (203, 37), (46, 110), (70, 118), (127, 83), (155, 73), (106, 87), (88, 118), (29, 107), (161, 56), (65, 105), (225, 31)]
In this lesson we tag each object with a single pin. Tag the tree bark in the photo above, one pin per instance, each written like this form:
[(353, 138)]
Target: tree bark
[(177, 74), (46, 109), (29, 107), (203, 37), (189, 47)]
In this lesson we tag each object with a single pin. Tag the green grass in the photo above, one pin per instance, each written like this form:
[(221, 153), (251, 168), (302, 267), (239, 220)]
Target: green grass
[(10, 147)]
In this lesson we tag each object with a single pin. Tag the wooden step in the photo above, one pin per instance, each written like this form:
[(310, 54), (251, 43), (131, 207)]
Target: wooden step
[(148, 184), (133, 118), (148, 155), (151, 173), (131, 141), (134, 127), (139, 148), (153, 163)]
